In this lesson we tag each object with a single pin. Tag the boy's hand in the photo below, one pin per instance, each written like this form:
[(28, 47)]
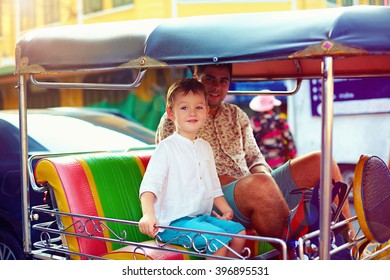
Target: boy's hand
[(228, 215), (147, 225)]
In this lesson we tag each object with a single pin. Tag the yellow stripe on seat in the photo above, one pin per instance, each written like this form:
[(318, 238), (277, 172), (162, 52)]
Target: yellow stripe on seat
[(46, 172)]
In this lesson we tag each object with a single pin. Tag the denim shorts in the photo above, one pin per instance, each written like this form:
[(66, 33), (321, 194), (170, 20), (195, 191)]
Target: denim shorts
[(282, 176), (204, 223)]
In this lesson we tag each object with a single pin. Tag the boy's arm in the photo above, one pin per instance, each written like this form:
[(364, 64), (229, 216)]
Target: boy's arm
[(222, 205), (148, 222)]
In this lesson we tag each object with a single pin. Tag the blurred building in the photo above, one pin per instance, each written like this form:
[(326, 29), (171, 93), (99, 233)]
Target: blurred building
[(20, 16)]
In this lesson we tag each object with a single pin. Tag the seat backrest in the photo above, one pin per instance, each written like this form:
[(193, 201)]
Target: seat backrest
[(99, 184)]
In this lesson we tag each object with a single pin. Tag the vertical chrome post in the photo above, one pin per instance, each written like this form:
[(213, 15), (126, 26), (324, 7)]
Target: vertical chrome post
[(326, 158), (25, 196)]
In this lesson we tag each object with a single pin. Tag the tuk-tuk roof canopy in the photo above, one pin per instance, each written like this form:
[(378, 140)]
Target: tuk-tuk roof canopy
[(267, 45)]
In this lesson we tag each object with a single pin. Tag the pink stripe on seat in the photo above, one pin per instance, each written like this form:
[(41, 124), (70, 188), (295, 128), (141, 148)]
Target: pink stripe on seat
[(79, 199)]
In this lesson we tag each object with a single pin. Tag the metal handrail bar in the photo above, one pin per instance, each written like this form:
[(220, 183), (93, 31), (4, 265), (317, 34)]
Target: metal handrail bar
[(96, 86), (42, 227), (36, 187), (40, 208), (302, 239), (123, 242), (268, 92)]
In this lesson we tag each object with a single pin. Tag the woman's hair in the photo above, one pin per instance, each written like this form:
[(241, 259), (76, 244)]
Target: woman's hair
[(198, 69), (185, 86)]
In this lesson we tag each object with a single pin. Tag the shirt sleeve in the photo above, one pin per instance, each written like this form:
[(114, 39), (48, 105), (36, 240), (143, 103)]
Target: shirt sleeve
[(253, 155), (216, 184), (156, 173), (165, 128)]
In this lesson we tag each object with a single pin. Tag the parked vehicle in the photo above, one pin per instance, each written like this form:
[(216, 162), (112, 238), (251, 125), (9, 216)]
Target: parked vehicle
[(295, 45), (53, 131)]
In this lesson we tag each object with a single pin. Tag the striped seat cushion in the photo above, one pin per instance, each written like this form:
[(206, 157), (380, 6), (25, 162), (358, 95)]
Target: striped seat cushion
[(105, 185), (102, 184)]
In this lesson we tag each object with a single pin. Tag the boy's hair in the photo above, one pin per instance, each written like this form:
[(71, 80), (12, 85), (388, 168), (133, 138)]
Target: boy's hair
[(198, 69), (185, 86)]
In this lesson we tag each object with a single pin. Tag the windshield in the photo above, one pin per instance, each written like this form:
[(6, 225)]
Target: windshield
[(68, 134)]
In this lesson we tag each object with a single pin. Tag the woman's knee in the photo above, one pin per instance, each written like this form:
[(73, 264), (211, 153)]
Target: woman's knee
[(305, 170), (254, 183), (256, 189)]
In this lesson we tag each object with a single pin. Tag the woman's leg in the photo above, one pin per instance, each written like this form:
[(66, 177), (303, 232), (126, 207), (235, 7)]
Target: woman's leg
[(259, 198), (306, 172)]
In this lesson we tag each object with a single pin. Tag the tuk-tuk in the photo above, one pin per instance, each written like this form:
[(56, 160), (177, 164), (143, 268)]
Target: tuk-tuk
[(294, 45)]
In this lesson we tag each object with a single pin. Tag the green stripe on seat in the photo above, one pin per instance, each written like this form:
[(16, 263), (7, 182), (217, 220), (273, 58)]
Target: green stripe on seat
[(119, 201)]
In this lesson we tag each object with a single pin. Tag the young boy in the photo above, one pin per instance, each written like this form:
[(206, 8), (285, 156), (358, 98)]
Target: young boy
[(181, 185)]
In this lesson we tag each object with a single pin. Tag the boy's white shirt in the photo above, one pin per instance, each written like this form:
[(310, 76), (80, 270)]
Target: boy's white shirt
[(182, 175)]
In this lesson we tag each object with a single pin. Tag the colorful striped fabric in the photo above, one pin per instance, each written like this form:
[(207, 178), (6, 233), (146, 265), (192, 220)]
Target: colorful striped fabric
[(105, 185), (102, 184)]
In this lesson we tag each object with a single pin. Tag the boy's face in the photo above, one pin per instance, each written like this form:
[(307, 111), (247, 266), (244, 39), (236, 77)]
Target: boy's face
[(217, 81), (189, 113)]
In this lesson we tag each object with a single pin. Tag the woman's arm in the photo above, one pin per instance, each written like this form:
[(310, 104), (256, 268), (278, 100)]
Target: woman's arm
[(254, 158)]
